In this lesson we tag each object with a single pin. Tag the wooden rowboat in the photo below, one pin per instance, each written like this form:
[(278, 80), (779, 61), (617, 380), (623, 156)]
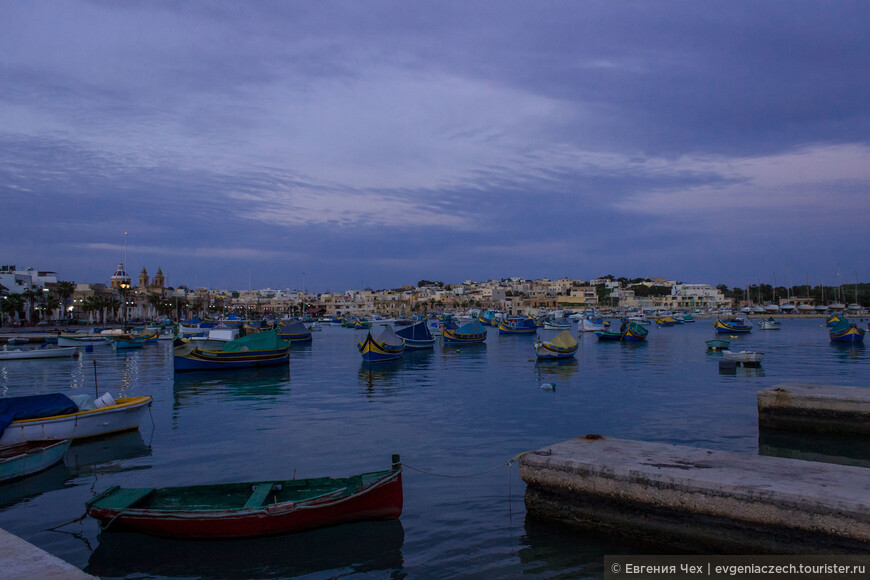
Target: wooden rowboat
[(31, 457), (251, 509)]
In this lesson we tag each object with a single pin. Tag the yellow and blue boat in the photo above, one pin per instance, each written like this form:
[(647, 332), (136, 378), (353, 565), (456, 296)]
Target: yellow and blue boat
[(517, 325), (263, 349), (634, 332), (848, 332), (388, 346), (469, 333), (732, 326), (560, 347)]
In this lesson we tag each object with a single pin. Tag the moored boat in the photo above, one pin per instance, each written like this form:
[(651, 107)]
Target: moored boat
[(561, 346), (56, 416), (744, 357), (417, 336), (18, 353), (847, 332), (469, 333), (634, 332), (718, 344), (770, 323), (592, 324), (608, 335), (517, 325), (22, 459), (388, 346), (732, 325), (251, 509), (294, 331), (666, 321), (82, 339), (257, 350)]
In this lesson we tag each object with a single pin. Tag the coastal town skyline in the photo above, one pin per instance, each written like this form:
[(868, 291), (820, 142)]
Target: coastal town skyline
[(341, 145)]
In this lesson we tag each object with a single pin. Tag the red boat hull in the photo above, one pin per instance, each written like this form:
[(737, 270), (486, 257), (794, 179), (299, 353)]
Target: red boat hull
[(380, 502)]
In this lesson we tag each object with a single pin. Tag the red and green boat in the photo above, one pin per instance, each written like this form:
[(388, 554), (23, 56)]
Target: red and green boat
[(251, 509)]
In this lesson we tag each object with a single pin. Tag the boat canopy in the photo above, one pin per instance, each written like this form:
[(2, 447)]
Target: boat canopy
[(389, 337), (268, 340), (563, 340), (34, 407), (473, 327), (418, 331)]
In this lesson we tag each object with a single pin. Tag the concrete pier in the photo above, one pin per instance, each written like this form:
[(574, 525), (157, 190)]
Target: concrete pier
[(700, 499), (20, 560), (817, 408)]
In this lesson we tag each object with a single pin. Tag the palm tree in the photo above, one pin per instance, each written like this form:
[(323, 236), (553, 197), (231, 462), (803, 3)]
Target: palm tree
[(65, 290), (11, 305), (50, 303), (30, 296)]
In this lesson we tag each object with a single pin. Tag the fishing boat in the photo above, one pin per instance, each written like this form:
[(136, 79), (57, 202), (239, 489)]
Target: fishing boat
[(30, 457), (82, 339), (263, 349), (47, 352), (561, 346), (718, 344), (388, 346), (469, 333), (634, 332), (744, 357), (128, 341), (251, 509), (517, 325), (294, 330), (592, 324), (56, 416), (557, 324), (666, 321), (732, 326), (417, 335), (17, 340), (846, 331), (608, 335), (770, 323)]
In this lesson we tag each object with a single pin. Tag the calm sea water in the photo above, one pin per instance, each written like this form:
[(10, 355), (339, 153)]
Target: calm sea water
[(449, 411)]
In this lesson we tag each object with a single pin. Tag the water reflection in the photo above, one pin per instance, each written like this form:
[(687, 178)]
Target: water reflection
[(379, 378), (561, 369), (825, 448), (103, 455), (33, 486), (243, 384), (364, 547)]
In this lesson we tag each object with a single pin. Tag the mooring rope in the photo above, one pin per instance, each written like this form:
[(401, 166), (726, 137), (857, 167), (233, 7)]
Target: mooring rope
[(507, 463)]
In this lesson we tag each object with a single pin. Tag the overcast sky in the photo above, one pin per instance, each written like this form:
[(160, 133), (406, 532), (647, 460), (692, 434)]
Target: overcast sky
[(370, 143)]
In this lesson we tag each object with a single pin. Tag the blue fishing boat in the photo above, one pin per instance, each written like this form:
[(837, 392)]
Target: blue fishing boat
[(718, 344), (517, 325), (634, 332), (561, 346), (469, 333), (608, 335), (417, 335), (294, 330), (847, 332), (257, 350), (127, 341), (388, 346), (732, 326), (487, 318), (22, 459)]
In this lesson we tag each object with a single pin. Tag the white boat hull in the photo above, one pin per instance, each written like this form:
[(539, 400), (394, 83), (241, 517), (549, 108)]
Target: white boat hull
[(126, 414), (743, 356), (82, 340), (38, 353)]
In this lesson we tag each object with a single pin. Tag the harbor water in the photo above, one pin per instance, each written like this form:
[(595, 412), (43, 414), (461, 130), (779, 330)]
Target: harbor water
[(462, 412)]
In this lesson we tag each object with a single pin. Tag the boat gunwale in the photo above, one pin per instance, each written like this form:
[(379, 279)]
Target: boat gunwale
[(121, 404)]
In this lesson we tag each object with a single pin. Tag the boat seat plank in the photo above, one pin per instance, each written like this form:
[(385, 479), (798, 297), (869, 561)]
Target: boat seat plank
[(261, 492), (125, 497)]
